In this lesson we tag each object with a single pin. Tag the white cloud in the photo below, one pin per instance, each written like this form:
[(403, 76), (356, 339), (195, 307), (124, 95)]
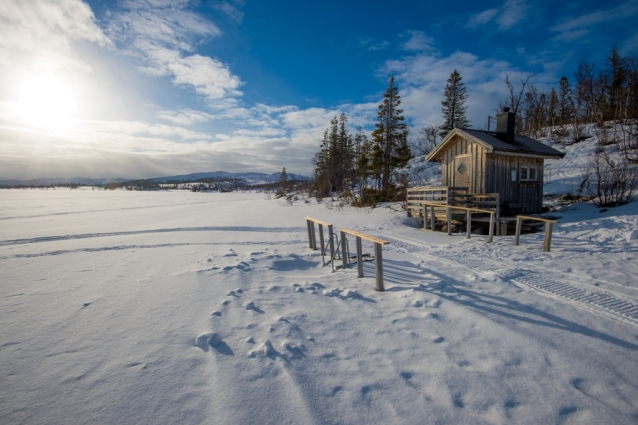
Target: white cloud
[(482, 18), (185, 117), (370, 44), (418, 41), (159, 32), (208, 76), (505, 17), (513, 12), (577, 27), (46, 29), (422, 78), (231, 11)]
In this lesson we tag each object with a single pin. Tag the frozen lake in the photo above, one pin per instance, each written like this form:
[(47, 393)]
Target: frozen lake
[(108, 301)]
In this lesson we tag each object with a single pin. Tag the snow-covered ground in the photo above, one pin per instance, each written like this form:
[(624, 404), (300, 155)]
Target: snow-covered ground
[(108, 301)]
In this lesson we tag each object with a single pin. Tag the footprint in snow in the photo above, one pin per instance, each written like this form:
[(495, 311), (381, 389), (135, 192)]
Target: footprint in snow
[(215, 341)]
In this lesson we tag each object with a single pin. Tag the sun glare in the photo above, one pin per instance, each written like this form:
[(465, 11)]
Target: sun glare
[(47, 102)]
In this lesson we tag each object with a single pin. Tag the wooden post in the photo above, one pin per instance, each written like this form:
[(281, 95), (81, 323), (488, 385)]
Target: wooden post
[(308, 224), (359, 258), (548, 236), (378, 265), (491, 237), (321, 244), (517, 235), (498, 215), (332, 244), (468, 217), (425, 216), (314, 237), (448, 213), (433, 218), (344, 251), (503, 226)]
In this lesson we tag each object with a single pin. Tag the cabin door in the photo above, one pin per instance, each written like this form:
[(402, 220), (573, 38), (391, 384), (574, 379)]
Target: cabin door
[(462, 171)]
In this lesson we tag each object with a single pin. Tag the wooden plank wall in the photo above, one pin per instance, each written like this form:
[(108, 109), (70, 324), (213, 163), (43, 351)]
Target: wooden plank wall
[(499, 179), (476, 165), (492, 174)]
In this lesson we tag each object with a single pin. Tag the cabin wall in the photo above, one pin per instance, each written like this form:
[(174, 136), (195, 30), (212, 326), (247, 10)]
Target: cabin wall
[(474, 157), (489, 173), (521, 196)]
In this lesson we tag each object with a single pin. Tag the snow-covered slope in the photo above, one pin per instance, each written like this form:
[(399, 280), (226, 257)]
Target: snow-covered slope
[(176, 307)]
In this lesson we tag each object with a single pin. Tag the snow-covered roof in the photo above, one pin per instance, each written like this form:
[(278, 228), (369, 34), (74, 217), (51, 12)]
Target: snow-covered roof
[(522, 144)]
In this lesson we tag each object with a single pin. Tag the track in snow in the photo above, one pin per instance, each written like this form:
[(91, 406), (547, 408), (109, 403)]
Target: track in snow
[(621, 308), (144, 232)]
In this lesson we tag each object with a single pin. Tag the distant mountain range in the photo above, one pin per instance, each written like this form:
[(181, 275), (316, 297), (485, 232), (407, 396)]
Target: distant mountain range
[(51, 181), (249, 178)]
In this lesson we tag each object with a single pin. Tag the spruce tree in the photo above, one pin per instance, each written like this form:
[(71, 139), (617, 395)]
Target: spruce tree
[(335, 161), (454, 104), (283, 178), (390, 136)]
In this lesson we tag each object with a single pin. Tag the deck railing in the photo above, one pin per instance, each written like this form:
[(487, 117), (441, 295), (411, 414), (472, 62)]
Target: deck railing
[(448, 195)]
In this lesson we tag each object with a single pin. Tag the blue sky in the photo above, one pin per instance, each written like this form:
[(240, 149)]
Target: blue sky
[(143, 88)]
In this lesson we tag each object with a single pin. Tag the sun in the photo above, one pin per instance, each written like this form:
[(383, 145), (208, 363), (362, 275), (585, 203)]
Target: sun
[(47, 102)]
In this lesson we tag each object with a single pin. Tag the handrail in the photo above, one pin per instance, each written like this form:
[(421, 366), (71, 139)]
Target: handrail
[(312, 239), (314, 220), (378, 258), (546, 220), (364, 236), (456, 207), (547, 243), (448, 215)]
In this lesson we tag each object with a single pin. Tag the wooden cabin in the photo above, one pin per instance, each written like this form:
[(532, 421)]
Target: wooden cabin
[(500, 162)]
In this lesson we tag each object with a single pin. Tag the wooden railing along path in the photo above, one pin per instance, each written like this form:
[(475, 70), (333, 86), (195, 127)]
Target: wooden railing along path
[(549, 226), (448, 215), (378, 244), (442, 196), (378, 258)]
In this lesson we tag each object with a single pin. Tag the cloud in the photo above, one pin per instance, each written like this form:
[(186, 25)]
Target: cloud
[(513, 12), (505, 17), (482, 18), (208, 76), (370, 44), (161, 34), (418, 41), (421, 80), (47, 29), (233, 13), (185, 117), (577, 27)]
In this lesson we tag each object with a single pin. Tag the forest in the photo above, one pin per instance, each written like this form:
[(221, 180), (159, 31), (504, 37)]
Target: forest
[(364, 170)]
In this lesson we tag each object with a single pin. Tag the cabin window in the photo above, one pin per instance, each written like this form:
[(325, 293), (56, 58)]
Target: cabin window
[(528, 174)]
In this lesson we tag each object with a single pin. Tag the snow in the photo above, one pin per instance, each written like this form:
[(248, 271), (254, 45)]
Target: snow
[(177, 307)]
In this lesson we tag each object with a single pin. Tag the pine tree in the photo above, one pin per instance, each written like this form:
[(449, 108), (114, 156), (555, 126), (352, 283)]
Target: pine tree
[(283, 178), (454, 104), (390, 136), (616, 78), (565, 101), (335, 161)]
